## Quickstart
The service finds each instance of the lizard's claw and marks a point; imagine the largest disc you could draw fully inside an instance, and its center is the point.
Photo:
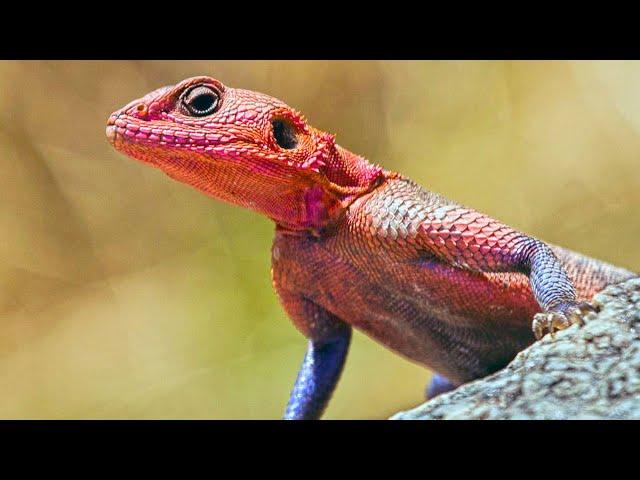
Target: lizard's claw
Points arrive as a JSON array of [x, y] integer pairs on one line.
[[560, 318]]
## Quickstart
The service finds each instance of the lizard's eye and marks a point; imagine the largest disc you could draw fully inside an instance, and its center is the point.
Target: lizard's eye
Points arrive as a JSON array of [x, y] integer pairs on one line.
[[200, 100]]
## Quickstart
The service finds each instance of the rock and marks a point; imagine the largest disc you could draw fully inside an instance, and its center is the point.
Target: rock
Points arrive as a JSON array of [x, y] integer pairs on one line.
[[587, 372]]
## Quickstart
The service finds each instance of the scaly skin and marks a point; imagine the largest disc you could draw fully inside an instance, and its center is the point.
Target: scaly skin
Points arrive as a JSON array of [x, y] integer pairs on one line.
[[359, 246]]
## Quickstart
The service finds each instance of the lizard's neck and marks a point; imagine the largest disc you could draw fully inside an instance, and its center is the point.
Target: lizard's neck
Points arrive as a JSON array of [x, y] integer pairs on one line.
[[346, 169], [345, 177]]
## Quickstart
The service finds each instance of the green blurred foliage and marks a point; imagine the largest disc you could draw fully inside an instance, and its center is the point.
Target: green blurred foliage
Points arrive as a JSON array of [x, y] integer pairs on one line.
[[124, 294]]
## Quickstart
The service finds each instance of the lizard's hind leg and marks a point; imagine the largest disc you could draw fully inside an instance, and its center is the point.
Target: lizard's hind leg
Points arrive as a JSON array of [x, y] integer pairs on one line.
[[438, 385]]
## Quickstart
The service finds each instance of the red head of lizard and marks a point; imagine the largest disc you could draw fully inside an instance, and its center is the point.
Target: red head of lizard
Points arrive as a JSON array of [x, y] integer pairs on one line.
[[245, 148]]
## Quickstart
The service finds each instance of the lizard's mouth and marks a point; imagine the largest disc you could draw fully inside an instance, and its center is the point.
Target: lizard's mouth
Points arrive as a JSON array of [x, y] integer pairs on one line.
[[116, 128], [123, 129], [128, 136], [112, 134], [164, 145], [111, 130]]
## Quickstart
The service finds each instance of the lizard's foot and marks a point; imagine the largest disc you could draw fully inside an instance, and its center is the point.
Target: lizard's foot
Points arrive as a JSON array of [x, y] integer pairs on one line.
[[562, 316], [439, 385]]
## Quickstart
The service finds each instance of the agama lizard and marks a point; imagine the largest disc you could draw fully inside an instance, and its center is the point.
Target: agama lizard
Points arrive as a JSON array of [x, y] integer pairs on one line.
[[357, 246]]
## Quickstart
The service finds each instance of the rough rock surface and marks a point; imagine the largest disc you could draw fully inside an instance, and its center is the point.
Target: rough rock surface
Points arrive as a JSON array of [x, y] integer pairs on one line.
[[587, 372]]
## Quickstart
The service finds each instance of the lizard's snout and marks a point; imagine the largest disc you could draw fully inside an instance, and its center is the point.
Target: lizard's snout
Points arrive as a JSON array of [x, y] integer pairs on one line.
[[111, 130], [111, 134]]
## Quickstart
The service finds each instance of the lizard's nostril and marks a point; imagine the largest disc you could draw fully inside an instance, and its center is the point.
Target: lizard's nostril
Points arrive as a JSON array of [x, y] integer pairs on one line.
[[141, 109]]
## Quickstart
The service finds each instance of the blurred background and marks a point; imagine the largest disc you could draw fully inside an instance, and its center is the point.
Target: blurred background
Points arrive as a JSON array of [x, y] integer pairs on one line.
[[124, 294]]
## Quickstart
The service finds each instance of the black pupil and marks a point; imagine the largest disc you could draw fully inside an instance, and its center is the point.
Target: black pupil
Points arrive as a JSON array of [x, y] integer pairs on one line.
[[202, 101]]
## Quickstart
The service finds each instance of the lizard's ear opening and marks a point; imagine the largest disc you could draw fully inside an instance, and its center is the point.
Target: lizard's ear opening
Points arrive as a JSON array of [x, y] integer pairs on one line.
[[285, 133]]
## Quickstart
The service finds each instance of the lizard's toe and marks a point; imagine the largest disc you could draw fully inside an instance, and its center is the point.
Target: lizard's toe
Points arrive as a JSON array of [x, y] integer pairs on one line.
[[549, 322], [563, 317]]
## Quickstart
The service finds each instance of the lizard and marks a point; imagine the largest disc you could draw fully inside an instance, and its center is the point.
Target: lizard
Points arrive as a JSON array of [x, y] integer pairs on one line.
[[358, 246]]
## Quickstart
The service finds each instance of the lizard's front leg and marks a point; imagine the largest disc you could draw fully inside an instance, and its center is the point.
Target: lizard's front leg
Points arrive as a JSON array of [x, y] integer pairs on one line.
[[472, 240], [329, 340], [317, 378], [551, 287]]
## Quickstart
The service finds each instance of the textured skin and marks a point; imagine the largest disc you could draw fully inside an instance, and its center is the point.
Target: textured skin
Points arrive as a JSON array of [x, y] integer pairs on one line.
[[358, 246]]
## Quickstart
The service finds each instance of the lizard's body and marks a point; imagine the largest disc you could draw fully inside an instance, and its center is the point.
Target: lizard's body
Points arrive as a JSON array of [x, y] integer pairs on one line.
[[358, 246], [371, 272]]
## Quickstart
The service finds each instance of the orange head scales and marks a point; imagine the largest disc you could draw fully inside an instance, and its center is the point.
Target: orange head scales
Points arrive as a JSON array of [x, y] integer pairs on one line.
[[243, 147]]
